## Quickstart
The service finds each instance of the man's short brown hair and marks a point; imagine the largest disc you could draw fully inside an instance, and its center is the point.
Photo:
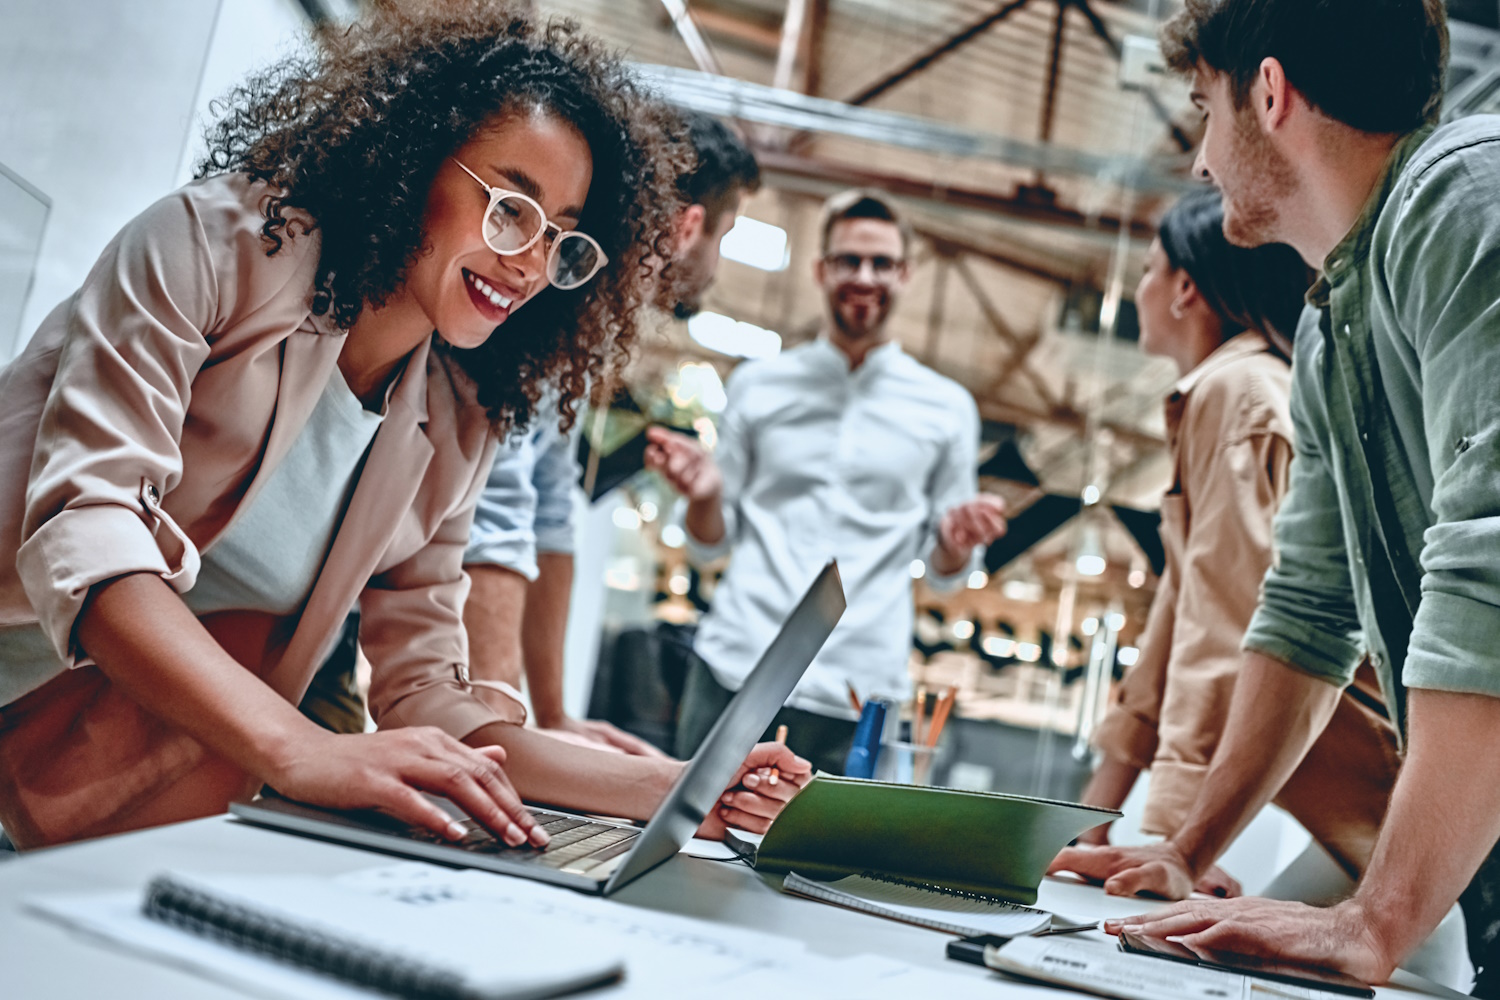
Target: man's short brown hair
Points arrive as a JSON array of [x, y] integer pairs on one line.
[[1375, 65], [861, 203]]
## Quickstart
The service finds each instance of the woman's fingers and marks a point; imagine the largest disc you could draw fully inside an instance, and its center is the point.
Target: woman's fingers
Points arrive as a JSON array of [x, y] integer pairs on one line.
[[731, 816], [749, 802], [474, 781], [410, 806]]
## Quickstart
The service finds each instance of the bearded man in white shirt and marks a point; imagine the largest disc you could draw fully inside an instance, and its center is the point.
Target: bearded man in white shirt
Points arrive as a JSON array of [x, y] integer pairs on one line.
[[846, 448]]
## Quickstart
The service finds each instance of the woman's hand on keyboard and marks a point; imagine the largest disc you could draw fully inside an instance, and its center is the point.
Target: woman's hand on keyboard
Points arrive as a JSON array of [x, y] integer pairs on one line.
[[768, 779], [389, 770]]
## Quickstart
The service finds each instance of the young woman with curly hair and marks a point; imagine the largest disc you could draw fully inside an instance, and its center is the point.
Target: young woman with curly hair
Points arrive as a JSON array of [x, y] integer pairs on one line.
[[278, 393]]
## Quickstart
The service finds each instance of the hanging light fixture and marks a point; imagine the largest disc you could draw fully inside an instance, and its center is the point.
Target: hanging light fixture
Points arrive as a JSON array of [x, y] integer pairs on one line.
[[1090, 560]]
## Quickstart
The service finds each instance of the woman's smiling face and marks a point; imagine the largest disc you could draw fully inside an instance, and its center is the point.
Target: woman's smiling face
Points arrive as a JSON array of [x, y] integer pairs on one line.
[[465, 288]]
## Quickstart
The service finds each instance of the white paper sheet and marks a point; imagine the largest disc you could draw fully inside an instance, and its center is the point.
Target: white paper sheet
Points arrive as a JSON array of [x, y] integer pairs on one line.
[[1104, 969]]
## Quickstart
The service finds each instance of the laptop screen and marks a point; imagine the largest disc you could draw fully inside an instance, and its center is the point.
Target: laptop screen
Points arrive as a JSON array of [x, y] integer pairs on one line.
[[767, 688]]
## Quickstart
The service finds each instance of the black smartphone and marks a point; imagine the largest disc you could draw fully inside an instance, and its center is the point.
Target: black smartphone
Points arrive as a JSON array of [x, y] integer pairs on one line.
[[971, 949], [1247, 965]]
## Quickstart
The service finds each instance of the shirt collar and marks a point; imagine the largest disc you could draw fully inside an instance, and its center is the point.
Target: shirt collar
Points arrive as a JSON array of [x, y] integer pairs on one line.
[[878, 358], [1355, 246], [1241, 345]]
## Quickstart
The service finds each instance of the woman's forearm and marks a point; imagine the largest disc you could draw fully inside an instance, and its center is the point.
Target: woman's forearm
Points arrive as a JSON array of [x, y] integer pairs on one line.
[[151, 646], [1108, 788], [548, 770]]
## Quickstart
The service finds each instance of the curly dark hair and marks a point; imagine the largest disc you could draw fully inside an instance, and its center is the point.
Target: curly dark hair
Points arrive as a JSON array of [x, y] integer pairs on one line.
[[353, 133]]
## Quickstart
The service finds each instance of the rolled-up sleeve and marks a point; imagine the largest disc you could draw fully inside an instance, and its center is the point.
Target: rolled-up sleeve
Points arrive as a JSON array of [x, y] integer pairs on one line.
[[504, 529], [108, 446], [955, 480], [1452, 315], [1128, 731], [1307, 616], [411, 629]]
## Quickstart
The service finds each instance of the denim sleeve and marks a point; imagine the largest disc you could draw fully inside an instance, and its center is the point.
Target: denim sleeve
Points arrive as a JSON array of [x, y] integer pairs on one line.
[[554, 478], [504, 529]]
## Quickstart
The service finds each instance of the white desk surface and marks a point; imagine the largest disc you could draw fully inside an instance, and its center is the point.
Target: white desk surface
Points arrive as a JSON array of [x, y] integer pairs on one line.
[[42, 961]]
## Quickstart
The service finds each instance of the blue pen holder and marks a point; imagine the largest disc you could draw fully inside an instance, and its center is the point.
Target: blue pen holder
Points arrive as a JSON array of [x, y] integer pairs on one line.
[[866, 749]]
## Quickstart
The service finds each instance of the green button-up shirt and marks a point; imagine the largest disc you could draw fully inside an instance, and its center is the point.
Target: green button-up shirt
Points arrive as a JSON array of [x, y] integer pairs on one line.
[[1389, 539]]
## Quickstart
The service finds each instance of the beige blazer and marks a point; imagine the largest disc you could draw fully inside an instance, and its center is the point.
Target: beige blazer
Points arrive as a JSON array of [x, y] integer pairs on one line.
[[148, 409], [1230, 434]]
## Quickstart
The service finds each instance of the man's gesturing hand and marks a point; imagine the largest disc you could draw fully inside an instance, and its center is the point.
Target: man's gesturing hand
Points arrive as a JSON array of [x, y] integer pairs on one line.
[[973, 522], [684, 463]]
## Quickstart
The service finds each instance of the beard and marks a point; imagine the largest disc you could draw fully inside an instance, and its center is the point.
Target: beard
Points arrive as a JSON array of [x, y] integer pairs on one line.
[[857, 329], [1257, 188], [690, 277]]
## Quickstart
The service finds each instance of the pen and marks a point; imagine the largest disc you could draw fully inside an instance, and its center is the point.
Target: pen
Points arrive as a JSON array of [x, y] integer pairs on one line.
[[940, 715], [775, 775], [854, 698], [918, 709]]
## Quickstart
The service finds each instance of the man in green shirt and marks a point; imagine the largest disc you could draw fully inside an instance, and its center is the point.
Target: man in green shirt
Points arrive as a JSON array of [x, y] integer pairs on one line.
[[1320, 134]]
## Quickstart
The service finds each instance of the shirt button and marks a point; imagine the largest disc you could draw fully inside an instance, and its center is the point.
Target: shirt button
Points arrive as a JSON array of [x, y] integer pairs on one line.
[[1376, 660], [153, 495], [1347, 331]]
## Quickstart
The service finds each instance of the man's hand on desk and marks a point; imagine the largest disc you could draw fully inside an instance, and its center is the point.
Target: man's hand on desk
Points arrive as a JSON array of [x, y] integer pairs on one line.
[[597, 734], [768, 779], [684, 463], [1158, 870], [1338, 937]]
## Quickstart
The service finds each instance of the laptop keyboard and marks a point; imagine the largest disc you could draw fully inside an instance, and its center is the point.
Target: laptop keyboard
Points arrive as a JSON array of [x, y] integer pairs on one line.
[[577, 844]]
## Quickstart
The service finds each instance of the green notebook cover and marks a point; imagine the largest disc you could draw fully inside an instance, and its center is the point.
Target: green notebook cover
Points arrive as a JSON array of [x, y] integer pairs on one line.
[[979, 842]]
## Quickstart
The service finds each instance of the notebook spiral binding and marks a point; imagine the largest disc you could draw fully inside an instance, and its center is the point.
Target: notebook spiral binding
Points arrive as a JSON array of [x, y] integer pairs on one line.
[[187, 908], [931, 887]]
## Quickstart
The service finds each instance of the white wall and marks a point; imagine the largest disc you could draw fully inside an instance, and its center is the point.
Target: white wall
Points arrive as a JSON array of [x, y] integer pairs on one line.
[[98, 108]]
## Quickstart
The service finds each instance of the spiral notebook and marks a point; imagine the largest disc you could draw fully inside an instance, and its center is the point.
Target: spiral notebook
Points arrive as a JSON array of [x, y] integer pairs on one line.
[[952, 911], [406, 948]]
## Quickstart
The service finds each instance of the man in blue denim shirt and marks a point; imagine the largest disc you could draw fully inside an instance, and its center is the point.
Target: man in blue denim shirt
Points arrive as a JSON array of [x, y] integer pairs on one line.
[[1320, 134], [520, 555]]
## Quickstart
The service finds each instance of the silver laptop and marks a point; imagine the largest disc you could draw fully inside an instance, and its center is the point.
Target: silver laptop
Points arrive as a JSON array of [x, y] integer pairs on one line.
[[585, 853]]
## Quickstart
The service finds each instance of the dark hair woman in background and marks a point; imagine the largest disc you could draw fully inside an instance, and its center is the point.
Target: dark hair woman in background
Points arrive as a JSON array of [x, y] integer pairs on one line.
[[1226, 317], [278, 393]]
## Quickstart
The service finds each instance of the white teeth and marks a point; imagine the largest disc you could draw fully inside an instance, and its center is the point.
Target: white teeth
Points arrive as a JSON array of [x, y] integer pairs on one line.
[[484, 289]]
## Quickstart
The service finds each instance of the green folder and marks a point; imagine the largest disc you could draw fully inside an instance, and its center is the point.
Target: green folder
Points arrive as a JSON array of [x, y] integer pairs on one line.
[[975, 842]]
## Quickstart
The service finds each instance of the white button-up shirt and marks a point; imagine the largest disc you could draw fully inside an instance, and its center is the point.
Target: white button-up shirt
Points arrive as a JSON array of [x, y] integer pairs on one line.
[[820, 462]]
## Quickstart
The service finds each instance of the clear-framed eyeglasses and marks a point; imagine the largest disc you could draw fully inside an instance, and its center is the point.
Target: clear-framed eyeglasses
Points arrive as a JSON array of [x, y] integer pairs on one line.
[[843, 266], [514, 222]]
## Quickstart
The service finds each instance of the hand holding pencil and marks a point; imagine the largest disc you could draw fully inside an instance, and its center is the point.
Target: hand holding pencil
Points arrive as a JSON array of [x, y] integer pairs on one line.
[[752, 801]]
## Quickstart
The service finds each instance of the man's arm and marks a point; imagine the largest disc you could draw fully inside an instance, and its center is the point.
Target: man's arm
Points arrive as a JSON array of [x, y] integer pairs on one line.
[[501, 561], [1277, 714], [964, 520], [493, 616], [1447, 794], [543, 633]]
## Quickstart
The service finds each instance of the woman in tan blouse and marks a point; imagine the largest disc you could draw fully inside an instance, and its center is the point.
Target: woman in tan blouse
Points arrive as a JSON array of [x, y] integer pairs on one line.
[[1225, 316], [278, 393]]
